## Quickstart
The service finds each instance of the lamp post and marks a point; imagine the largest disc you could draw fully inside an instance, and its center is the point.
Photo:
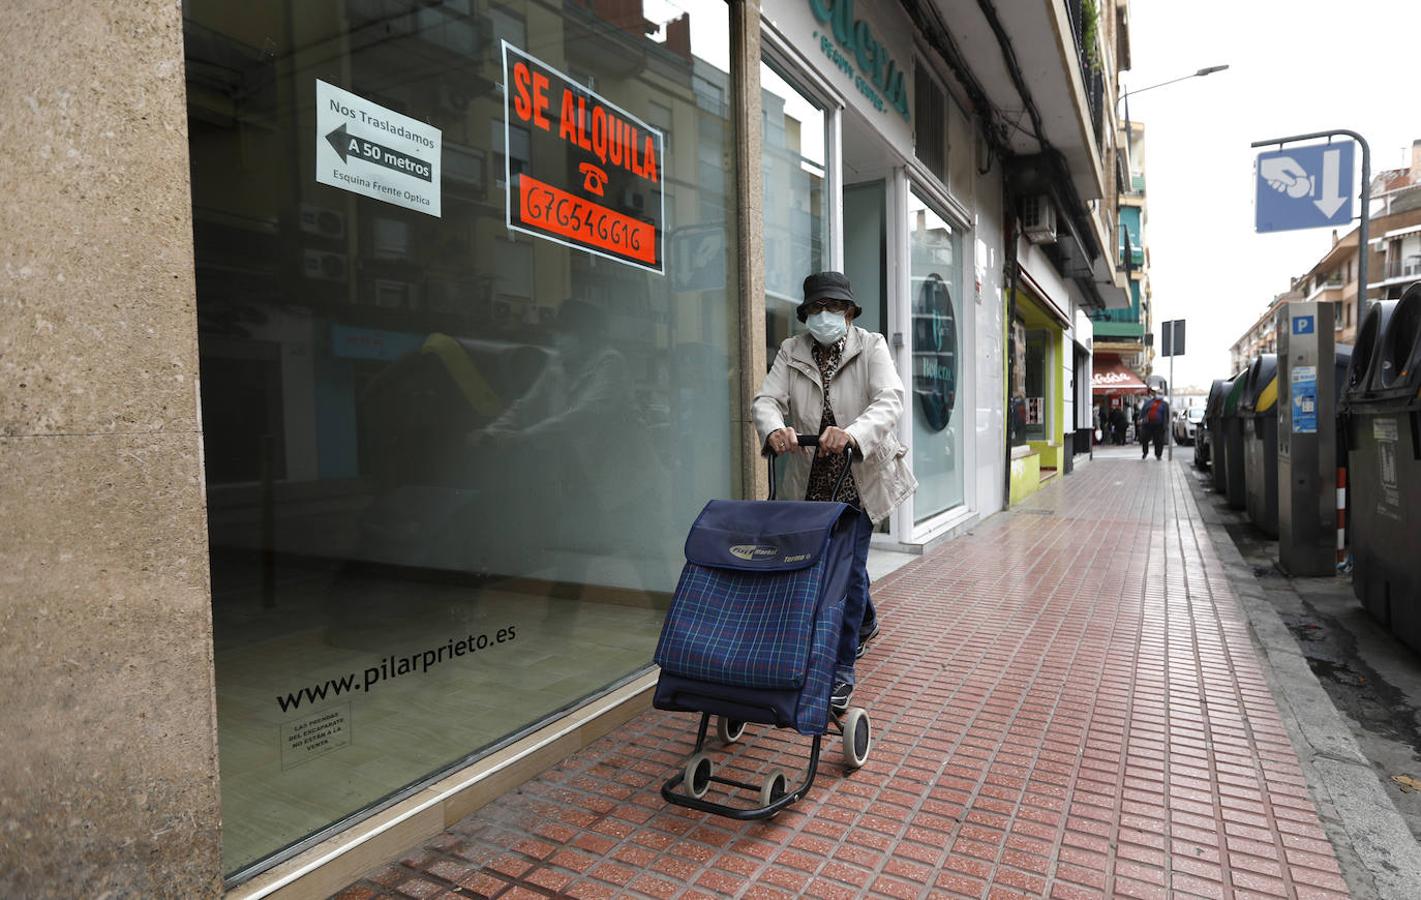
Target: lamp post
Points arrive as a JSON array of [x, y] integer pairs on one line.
[[1125, 97], [1200, 73]]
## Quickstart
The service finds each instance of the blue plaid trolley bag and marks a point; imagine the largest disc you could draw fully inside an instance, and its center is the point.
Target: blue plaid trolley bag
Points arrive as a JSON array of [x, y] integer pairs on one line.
[[752, 636]]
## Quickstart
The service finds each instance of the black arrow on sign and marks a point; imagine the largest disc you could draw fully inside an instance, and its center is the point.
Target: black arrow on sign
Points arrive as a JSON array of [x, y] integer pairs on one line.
[[380, 155]]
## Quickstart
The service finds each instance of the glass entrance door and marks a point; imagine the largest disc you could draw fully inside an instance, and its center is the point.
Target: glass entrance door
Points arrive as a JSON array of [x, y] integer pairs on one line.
[[865, 242], [934, 379]]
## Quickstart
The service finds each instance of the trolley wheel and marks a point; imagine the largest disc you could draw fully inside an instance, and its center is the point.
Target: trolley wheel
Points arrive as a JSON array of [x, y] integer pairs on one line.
[[775, 786], [858, 737], [728, 730], [699, 770]]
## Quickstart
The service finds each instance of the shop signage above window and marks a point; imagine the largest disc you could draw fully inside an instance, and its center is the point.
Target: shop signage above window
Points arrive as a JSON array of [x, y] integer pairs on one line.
[[592, 179], [852, 44], [366, 149]]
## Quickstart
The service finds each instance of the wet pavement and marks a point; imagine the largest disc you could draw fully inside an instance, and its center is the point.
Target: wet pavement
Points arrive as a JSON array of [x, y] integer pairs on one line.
[[1372, 679], [1067, 702]]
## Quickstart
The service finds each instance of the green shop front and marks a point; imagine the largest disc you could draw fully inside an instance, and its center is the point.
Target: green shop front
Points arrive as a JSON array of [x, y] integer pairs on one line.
[[1041, 367]]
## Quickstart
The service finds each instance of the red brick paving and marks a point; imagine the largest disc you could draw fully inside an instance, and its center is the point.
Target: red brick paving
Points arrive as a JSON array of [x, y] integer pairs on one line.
[[1066, 703]]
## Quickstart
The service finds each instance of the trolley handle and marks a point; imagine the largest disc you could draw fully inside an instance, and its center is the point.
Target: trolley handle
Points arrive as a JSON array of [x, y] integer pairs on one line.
[[811, 440]]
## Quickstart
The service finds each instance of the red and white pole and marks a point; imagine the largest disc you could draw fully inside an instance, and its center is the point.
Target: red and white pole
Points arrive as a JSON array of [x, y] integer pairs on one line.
[[1341, 514]]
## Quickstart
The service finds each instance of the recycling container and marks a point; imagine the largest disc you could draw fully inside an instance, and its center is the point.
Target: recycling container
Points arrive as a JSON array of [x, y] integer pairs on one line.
[[1383, 419], [1205, 454], [1258, 408], [1232, 444], [1361, 525]]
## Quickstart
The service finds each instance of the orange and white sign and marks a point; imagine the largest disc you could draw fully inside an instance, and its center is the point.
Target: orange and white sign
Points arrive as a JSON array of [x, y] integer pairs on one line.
[[592, 179]]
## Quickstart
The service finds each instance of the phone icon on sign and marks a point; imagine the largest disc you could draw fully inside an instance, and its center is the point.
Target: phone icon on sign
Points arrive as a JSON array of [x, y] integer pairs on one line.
[[593, 178]]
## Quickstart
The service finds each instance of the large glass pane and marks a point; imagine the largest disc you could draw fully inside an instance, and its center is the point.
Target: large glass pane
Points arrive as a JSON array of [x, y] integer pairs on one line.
[[938, 419], [449, 463], [796, 221]]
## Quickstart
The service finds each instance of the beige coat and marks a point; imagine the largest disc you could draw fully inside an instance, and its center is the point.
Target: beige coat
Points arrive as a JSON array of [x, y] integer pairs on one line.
[[867, 397]]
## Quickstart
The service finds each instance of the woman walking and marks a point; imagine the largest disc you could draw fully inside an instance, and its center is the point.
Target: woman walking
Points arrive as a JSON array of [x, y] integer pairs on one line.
[[838, 381]]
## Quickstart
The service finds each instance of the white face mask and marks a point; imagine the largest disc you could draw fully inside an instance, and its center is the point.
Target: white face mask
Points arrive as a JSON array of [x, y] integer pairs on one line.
[[827, 327]]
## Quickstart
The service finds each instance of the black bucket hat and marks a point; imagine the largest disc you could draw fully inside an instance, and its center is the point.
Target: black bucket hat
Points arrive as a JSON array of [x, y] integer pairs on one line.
[[830, 286]]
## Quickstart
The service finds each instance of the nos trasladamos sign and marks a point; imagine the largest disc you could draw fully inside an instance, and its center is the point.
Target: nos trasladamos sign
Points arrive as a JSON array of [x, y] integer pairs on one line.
[[592, 179]]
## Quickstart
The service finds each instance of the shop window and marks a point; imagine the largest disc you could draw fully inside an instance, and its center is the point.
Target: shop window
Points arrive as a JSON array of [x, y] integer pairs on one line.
[[796, 223], [1036, 379], [939, 422], [448, 463], [1030, 383], [1017, 406]]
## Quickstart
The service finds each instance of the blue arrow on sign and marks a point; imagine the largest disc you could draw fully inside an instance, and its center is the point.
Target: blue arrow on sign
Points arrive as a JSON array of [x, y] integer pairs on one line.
[[1304, 187]]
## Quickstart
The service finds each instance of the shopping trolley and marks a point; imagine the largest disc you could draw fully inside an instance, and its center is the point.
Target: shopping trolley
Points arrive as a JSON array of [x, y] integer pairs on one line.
[[752, 636]]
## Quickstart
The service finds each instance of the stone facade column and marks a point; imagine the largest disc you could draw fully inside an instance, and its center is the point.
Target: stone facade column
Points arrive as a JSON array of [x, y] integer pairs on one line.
[[750, 242], [108, 750]]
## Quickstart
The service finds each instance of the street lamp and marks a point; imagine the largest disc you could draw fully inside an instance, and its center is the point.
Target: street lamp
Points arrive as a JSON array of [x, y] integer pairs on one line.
[[1207, 70]]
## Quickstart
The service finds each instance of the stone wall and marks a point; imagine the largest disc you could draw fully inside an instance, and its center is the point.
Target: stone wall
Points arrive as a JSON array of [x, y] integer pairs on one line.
[[108, 757]]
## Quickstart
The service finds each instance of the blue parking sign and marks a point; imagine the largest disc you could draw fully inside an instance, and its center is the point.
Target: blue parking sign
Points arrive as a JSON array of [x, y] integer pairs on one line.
[[1304, 187], [1304, 325]]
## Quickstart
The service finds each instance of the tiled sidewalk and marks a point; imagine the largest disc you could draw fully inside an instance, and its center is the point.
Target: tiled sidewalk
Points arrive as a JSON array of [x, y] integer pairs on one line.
[[1066, 703]]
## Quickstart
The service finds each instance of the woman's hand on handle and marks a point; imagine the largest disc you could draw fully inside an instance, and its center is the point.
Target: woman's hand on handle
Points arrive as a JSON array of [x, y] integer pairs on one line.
[[834, 440], [782, 440]]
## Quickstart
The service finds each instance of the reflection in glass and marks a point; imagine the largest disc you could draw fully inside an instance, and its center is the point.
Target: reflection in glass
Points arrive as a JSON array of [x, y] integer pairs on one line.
[[865, 243], [1017, 413], [936, 278], [448, 466], [1034, 379], [796, 226]]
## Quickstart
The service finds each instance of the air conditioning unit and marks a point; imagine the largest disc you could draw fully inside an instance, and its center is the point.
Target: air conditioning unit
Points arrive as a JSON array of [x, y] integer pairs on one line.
[[321, 221], [323, 265], [1038, 220]]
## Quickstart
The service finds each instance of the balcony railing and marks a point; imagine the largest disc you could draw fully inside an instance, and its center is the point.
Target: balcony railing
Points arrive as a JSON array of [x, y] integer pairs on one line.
[[1410, 267], [1077, 16], [1125, 316], [1095, 96], [1091, 76]]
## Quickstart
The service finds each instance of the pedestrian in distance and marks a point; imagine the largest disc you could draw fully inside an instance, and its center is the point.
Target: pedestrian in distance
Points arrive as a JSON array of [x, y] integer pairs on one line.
[[1117, 427], [1152, 423], [838, 381]]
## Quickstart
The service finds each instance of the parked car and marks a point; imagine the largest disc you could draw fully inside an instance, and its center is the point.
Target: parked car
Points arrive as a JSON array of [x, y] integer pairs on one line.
[[1186, 424]]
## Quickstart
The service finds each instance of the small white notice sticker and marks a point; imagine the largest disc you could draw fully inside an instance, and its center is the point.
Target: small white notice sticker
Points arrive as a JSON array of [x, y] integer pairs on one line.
[[366, 149], [317, 734]]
